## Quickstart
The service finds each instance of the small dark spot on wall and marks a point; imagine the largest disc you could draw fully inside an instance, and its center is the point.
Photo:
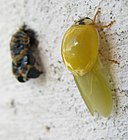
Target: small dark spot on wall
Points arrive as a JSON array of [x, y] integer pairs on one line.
[[40, 91], [14, 5], [12, 103], [94, 129], [13, 106], [25, 3], [111, 13], [46, 50], [59, 79], [114, 5], [67, 89], [48, 128], [59, 62]]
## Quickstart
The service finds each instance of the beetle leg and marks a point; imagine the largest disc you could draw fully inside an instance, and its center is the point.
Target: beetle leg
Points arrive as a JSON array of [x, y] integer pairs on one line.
[[114, 61], [105, 26], [98, 12], [111, 60]]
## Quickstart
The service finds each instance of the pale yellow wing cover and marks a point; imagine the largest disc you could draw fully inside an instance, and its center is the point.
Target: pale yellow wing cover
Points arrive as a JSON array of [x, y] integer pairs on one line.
[[95, 91]]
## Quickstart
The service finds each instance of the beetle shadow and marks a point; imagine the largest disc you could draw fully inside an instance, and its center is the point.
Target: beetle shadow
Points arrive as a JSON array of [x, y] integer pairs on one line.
[[105, 55], [39, 63]]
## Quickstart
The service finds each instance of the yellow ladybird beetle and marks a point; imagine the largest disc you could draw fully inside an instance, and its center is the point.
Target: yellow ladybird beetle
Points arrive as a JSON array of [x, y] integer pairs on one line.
[[79, 52]]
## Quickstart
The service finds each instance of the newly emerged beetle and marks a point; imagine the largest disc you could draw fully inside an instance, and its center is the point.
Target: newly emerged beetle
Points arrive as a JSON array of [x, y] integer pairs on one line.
[[79, 51], [23, 61]]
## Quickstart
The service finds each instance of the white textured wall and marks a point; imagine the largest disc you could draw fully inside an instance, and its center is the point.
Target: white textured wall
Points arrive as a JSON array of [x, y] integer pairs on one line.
[[50, 107]]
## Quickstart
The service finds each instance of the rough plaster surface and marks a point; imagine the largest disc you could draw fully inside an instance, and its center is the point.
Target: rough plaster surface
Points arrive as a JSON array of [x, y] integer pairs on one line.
[[50, 107]]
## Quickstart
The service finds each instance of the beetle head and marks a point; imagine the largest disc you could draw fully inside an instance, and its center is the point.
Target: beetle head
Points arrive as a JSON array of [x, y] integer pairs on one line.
[[84, 21]]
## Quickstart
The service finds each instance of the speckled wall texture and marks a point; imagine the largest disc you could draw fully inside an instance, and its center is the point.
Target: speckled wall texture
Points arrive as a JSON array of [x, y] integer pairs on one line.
[[50, 107]]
